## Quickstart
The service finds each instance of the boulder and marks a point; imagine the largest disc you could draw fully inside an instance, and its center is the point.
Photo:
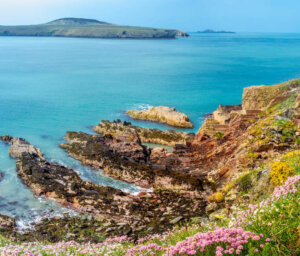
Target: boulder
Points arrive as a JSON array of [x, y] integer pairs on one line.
[[7, 223], [162, 114], [20, 146]]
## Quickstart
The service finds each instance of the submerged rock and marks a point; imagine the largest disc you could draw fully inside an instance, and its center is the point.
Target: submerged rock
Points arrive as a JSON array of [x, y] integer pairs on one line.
[[162, 114], [155, 136]]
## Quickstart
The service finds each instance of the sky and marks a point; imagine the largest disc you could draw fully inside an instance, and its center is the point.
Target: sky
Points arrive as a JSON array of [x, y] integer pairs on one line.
[[188, 15]]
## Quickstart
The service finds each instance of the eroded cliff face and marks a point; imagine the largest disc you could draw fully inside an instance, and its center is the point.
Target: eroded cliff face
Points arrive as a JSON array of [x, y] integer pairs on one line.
[[265, 127]]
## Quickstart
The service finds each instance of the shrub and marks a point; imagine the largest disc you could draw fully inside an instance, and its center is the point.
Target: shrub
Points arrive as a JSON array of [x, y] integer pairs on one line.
[[280, 172], [218, 197], [287, 166], [219, 135], [244, 182]]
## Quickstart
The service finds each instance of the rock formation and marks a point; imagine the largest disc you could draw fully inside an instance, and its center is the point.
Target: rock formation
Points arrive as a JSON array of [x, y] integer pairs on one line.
[[123, 157], [7, 223], [262, 96], [132, 214], [20, 146], [224, 114], [155, 136], [162, 114]]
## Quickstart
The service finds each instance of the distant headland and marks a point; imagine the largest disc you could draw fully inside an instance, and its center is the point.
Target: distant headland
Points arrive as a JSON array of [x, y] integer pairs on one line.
[[89, 28], [216, 31]]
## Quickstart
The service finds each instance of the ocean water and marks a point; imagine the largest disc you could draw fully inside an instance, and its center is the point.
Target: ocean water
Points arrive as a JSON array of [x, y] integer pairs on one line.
[[52, 85]]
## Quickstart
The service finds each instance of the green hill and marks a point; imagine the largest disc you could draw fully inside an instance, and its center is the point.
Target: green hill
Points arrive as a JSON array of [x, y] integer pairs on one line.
[[89, 28]]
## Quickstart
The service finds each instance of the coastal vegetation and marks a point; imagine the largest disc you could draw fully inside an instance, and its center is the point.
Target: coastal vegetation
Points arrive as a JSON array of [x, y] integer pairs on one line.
[[76, 27]]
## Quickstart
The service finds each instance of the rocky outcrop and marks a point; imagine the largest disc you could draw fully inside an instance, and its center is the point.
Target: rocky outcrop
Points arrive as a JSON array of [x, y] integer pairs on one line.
[[66, 187], [250, 136], [127, 214], [20, 146], [7, 223], [162, 114], [6, 139], [146, 135], [262, 96], [123, 158], [225, 113]]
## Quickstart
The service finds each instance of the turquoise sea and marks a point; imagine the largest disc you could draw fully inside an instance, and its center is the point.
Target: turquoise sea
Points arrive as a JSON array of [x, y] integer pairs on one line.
[[52, 85]]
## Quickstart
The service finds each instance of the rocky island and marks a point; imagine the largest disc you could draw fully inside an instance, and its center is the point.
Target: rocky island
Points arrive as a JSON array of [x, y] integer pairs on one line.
[[89, 28], [162, 114], [243, 157], [211, 31]]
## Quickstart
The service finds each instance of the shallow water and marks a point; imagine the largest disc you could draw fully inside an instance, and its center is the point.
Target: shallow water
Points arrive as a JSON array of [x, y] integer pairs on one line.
[[51, 85]]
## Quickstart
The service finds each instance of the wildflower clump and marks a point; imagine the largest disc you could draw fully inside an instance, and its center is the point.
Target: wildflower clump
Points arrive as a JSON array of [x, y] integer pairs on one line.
[[217, 197], [285, 167], [276, 217]]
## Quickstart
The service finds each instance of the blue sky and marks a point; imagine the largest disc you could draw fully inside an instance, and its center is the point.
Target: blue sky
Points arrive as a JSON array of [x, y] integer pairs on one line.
[[188, 15]]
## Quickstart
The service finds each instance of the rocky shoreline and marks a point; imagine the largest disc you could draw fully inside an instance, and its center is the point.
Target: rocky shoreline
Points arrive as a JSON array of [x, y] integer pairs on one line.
[[119, 212], [187, 183]]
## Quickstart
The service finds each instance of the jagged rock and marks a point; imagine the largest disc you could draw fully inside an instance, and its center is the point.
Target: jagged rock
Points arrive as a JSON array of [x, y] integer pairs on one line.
[[104, 203], [6, 139], [162, 114], [1, 176], [20, 146], [7, 223], [123, 158], [156, 136], [176, 220], [225, 113], [65, 186]]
